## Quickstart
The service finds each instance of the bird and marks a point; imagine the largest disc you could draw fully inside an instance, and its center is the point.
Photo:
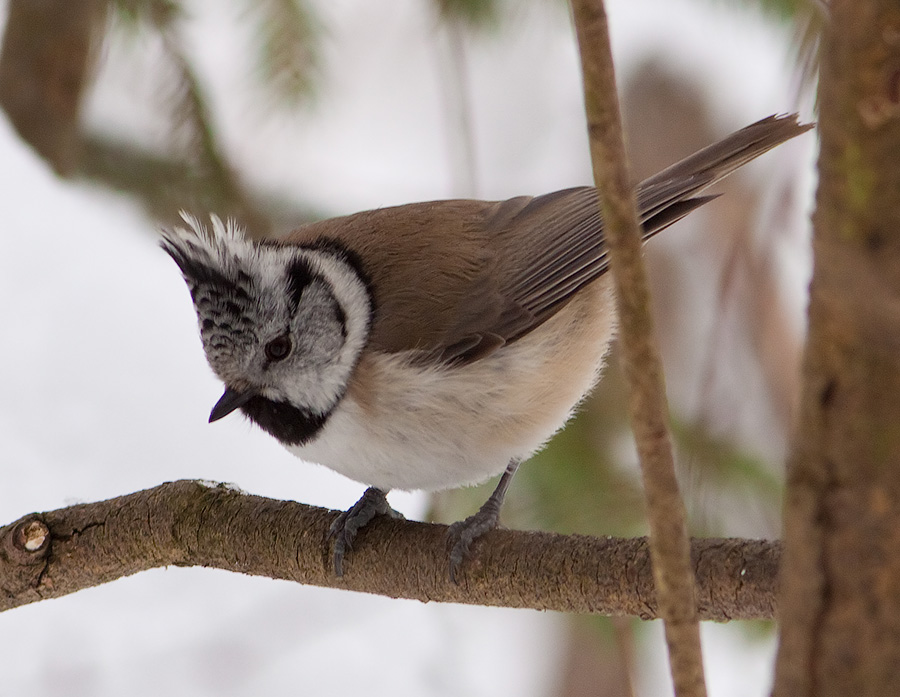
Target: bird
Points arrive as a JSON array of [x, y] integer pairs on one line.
[[430, 345]]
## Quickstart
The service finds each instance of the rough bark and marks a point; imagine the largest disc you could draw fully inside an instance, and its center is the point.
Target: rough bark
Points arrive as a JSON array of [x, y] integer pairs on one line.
[[187, 523], [669, 543], [840, 607]]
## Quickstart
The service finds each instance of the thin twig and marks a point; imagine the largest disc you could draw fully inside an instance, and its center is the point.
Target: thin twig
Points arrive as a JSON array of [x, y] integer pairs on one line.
[[669, 543]]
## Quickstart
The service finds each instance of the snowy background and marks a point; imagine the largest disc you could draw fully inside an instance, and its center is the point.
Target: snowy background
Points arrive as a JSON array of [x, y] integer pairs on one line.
[[106, 391]]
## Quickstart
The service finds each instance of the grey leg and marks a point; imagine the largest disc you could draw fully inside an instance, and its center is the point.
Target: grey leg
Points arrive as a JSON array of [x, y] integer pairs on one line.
[[345, 527], [463, 533]]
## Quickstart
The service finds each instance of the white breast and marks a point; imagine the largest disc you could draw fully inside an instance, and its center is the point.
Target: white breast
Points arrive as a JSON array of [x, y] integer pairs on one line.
[[401, 426]]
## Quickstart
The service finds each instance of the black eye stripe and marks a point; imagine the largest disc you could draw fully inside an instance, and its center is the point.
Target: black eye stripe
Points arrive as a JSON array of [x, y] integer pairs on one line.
[[341, 318], [299, 276], [338, 250]]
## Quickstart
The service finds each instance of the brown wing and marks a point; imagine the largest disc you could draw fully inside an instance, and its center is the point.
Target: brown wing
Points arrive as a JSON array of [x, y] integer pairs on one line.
[[457, 279]]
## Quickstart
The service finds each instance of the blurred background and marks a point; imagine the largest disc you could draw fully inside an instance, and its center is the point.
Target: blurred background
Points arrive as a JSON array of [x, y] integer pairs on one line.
[[116, 115]]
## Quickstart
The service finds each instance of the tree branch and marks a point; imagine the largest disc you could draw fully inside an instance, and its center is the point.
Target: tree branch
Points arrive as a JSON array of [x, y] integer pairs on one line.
[[189, 523], [45, 64], [669, 543], [165, 184], [840, 633]]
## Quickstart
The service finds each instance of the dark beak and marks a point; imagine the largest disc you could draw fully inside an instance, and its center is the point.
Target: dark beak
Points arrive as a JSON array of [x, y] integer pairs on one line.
[[231, 400]]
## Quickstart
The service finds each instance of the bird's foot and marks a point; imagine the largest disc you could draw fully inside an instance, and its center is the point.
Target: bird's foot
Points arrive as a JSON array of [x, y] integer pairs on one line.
[[463, 533], [345, 527]]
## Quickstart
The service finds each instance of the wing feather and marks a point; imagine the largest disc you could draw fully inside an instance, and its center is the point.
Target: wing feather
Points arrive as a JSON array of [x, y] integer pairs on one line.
[[455, 280]]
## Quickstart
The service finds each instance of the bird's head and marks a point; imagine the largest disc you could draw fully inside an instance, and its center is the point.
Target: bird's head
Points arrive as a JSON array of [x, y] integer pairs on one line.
[[282, 325]]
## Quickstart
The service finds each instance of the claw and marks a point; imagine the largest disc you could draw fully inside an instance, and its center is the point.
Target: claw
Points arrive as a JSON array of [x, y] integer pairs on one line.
[[463, 533], [346, 526]]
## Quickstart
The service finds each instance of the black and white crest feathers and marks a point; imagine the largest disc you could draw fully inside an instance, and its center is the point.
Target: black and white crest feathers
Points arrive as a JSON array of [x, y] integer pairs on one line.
[[248, 294], [216, 270]]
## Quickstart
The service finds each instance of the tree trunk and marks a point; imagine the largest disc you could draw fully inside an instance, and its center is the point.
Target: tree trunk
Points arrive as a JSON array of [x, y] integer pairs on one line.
[[840, 603]]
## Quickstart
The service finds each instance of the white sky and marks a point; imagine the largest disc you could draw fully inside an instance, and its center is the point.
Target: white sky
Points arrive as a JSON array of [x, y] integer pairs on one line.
[[107, 391]]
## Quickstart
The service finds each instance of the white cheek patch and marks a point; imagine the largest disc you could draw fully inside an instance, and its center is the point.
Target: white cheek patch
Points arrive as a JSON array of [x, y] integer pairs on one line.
[[322, 388]]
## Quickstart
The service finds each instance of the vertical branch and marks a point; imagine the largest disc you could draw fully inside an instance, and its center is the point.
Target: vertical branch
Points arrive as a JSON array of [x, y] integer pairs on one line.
[[840, 581], [45, 66], [669, 544]]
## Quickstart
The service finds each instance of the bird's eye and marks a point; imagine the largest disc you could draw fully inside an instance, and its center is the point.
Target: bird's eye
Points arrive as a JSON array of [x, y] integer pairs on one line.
[[278, 348]]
